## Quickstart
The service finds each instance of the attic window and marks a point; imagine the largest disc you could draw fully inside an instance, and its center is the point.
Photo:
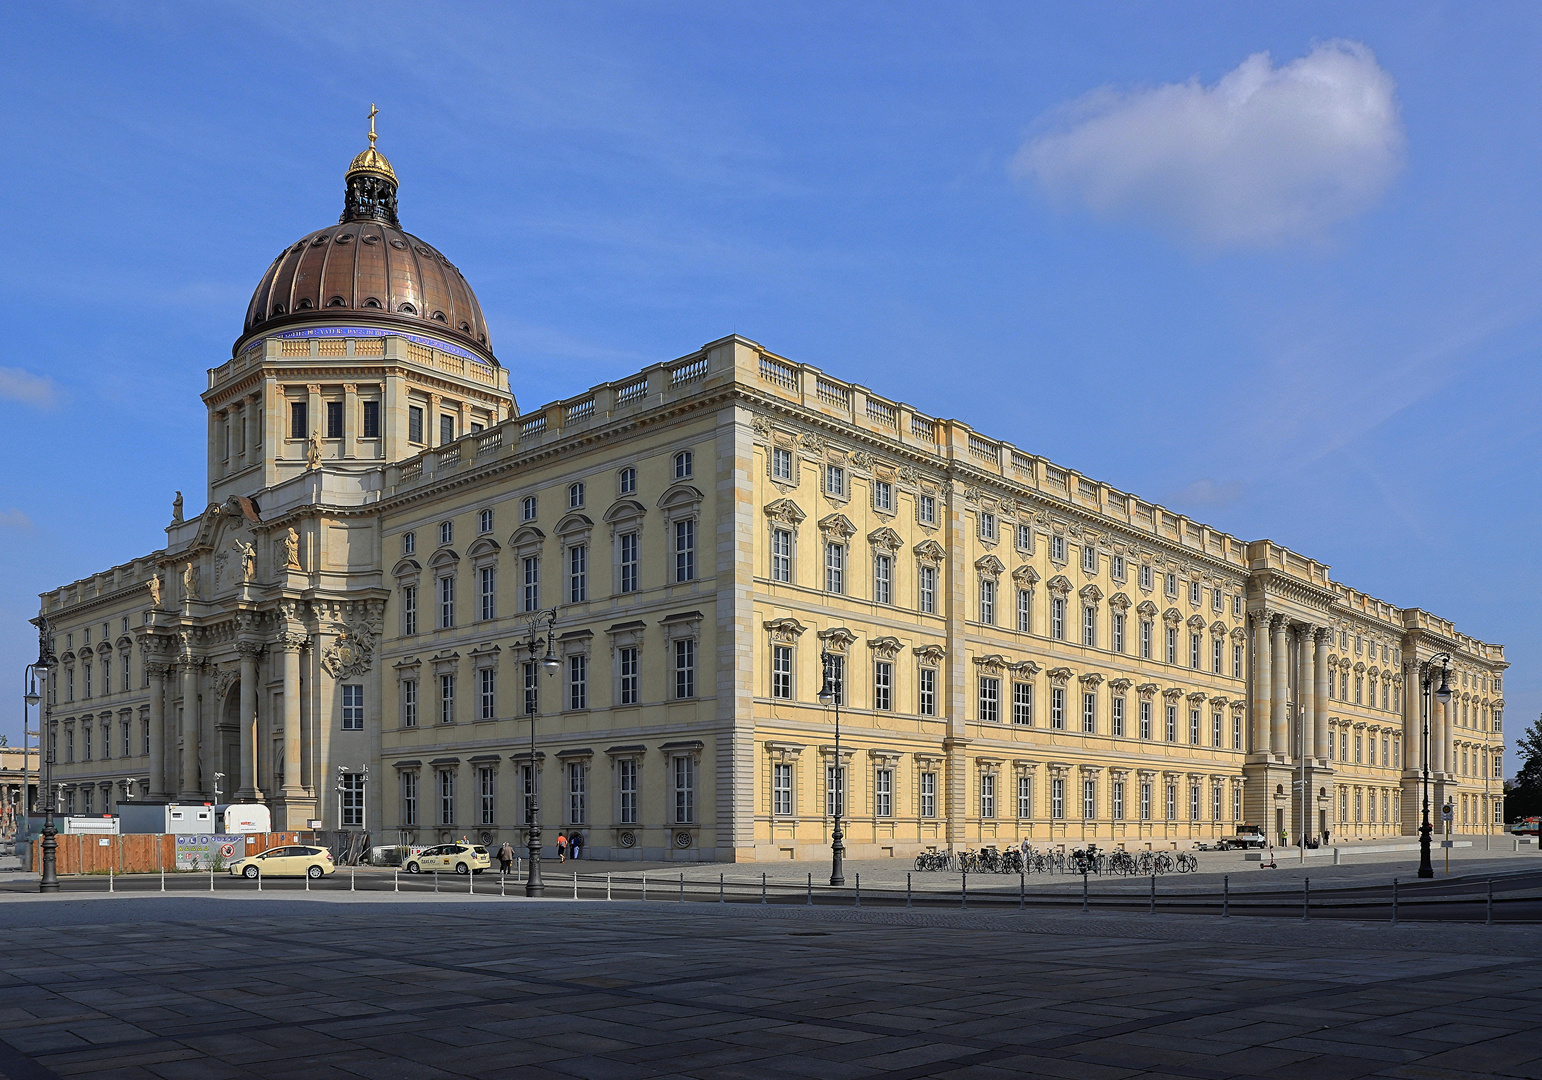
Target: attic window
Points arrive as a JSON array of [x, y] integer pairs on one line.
[[337, 301], [439, 315], [465, 328], [407, 309], [278, 309], [372, 303], [303, 305]]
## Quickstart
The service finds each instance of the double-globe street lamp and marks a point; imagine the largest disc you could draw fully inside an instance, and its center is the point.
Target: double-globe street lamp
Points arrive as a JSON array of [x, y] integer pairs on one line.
[[36, 695], [541, 647], [1443, 695], [831, 692]]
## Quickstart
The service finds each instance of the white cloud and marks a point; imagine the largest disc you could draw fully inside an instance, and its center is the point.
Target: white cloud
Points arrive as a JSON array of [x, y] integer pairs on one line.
[[1208, 492], [15, 519], [1265, 155], [27, 388]]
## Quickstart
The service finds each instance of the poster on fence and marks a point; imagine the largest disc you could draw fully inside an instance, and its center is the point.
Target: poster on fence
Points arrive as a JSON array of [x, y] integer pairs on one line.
[[201, 851]]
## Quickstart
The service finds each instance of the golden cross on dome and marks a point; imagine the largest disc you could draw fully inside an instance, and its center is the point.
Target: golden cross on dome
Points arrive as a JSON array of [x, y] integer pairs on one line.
[[373, 112]]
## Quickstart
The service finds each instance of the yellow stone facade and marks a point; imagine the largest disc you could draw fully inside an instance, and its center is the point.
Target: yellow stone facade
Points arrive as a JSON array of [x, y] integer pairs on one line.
[[1025, 653]]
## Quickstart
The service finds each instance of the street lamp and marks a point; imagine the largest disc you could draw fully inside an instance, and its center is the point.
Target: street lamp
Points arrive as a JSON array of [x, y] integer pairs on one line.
[[31, 697], [541, 646], [1443, 695], [830, 693]]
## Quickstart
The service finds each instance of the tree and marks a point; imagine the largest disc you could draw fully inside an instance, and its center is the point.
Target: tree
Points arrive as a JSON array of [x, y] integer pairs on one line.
[[1523, 794]]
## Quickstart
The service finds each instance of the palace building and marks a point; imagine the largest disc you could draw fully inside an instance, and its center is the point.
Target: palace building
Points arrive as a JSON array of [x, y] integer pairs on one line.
[[1021, 651]]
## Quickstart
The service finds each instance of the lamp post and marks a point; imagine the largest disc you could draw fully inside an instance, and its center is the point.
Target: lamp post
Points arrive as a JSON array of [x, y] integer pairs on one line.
[[540, 645], [32, 697], [831, 692], [1443, 695]]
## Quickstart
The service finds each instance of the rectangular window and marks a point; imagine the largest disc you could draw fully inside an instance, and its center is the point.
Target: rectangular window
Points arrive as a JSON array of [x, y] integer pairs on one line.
[[334, 419], [883, 793], [1193, 727], [987, 795], [883, 579], [578, 682], [838, 677], [1057, 618], [1194, 593], [1022, 704], [987, 526], [485, 522], [928, 795], [446, 429], [126, 729], [683, 463], [1145, 577], [781, 671], [1172, 802], [1236, 664], [1145, 639], [835, 480], [988, 601], [299, 422], [1172, 723], [446, 603], [446, 797], [626, 663], [1172, 644], [1217, 653], [488, 579], [1117, 570], [926, 577], [685, 668], [1089, 800], [578, 573], [628, 558], [1194, 802], [409, 703], [781, 555], [446, 532], [1057, 548], [575, 496], [85, 740], [990, 700], [1118, 638], [1194, 651], [1024, 538], [926, 509], [527, 508], [1057, 708], [529, 782], [1057, 798], [1089, 558], [532, 589], [683, 770], [1145, 800], [1089, 713], [1118, 716], [1217, 602], [781, 463], [883, 685], [781, 790], [1216, 730], [414, 424], [835, 791], [532, 689], [1024, 611], [353, 707], [1025, 796], [409, 543], [487, 693], [685, 550], [578, 793], [1090, 626], [409, 798], [883, 495], [447, 699], [1236, 732], [926, 699], [835, 568], [487, 788], [1236, 803], [1117, 792], [371, 420], [626, 789], [626, 481]]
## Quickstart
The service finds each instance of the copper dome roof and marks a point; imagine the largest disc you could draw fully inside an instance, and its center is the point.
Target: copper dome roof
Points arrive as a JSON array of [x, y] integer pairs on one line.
[[365, 270]]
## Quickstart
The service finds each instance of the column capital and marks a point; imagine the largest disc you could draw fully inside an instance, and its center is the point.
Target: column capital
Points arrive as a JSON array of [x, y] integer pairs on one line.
[[249, 649], [291, 642]]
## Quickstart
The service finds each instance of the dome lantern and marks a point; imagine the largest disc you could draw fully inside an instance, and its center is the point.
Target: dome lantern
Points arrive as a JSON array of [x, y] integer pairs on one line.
[[370, 184]]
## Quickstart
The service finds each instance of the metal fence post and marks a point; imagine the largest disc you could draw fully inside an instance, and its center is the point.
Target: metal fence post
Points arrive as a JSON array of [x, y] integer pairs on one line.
[[436, 881], [1151, 909], [111, 889], [810, 891], [1488, 915], [607, 886], [1394, 901], [1226, 897], [858, 902], [351, 873], [1306, 898], [963, 891], [396, 881], [471, 882], [762, 886], [211, 875], [682, 887], [720, 888], [1084, 891], [163, 878], [575, 884], [645, 885], [907, 888], [503, 880]]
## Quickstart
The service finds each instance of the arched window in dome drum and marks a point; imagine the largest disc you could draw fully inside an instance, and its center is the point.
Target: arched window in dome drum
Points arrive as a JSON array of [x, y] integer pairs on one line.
[[438, 316], [372, 303], [407, 309], [337, 301]]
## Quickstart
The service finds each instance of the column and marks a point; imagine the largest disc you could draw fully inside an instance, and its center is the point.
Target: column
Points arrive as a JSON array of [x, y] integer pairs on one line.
[[393, 420], [190, 732], [1262, 666], [291, 644], [431, 436], [1278, 724], [158, 786], [1306, 694], [351, 422], [246, 784], [1437, 750], [1320, 691]]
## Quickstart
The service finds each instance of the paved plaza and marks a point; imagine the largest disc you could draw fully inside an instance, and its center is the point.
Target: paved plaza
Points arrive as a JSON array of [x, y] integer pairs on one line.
[[338, 984]]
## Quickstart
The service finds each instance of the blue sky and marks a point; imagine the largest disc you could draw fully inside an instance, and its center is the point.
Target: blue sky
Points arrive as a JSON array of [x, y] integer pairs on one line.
[[1295, 296]]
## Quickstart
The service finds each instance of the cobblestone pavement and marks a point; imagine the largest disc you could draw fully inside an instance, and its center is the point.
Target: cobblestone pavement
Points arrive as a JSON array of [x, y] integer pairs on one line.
[[351, 986]]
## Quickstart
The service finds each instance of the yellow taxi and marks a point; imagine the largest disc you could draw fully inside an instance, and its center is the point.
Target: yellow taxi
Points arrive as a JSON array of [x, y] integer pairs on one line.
[[457, 858], [296, 860]]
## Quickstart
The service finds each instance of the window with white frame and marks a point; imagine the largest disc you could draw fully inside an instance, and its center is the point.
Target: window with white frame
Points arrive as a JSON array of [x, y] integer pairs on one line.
[[487, 794], [781, 789], [487, 693], [988, 601], [685, 668], [1024, 611], [527, 508], [883, 685], [1089, 712], [1172, 644], [1024, 538], [835, 480], [1022, 704], [578, 793], [626, 675], [353, 707], [987, 525], [835, 568], [1236, 664], [990, 699], [1057, 798], [1089, 800], [578, 573], [781, 555], [575, 496], [446, 796], [447, 698], [485, 522], [1057, 618], [1117, 706], [928, 794], [883, 578], [1145, 719], [578, 681], [1118, 632], [532, 672], [926, 581], [1089, 558], [409, 543], [1057, 708], [1236, 732], [1194, 802], [446, 533], [529, 786], [1194, 651], [883, 793], [446, 603], [883, 495], [487, 577], [682, 770], [926, 691], [835, 791], [626, 481], [626, 555], [1025, 796], [532, 583], [1116, 793], [409, 703], [781, 671], [1116, 567], [1089, 626], [1194, 593], [926, 509], [409, 786], [409, 610], [1172, 723], [1194, 727], [1145, 639], [685, 550], [1145, 800], [626, 790], [781, 463], [1057, 548], [1172, 802], [684, 464]]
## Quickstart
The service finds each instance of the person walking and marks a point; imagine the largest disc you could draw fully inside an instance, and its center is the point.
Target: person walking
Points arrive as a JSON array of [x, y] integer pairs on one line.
[[576, 844], [562, 847], [505, 857]]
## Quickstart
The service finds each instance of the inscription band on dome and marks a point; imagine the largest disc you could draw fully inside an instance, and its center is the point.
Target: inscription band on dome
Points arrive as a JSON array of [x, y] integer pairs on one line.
[[375, 331]]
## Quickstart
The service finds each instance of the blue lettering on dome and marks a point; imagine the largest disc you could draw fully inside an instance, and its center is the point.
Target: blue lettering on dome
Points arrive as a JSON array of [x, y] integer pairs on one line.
[[372, 331]]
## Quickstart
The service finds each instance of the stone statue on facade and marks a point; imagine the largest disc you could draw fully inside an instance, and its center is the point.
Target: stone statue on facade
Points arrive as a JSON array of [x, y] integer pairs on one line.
[[248, 556], [176, 508], [289, 549], [190, 581], [313, 451], [155, 590]]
